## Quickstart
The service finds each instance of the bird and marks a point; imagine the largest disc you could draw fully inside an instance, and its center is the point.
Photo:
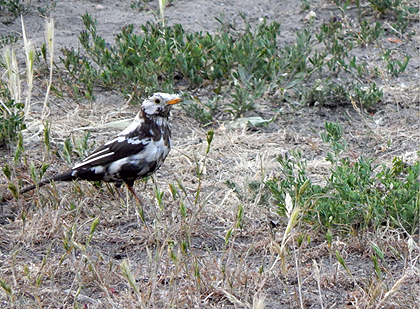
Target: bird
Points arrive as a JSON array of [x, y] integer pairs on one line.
[[135, 153]]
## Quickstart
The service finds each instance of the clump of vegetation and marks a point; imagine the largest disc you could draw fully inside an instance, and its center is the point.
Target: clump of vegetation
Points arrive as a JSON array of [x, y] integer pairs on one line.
[[11, 105], [11, 121], [15, 7], [358, 195], [246, 62]]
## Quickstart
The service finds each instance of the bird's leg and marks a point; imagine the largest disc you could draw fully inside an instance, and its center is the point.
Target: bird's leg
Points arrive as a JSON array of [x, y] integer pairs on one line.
[[135, 195], [117, 189], [140, 209]]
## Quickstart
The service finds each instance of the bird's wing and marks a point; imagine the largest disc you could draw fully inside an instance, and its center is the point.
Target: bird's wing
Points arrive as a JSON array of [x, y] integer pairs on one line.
[[119, 148]]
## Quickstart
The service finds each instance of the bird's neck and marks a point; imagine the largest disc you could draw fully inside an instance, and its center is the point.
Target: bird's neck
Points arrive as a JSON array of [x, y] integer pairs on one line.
[[161, 121]]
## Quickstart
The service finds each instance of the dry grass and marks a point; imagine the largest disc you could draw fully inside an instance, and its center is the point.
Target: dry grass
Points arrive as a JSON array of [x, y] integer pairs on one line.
[[210, 245], [51, 258]]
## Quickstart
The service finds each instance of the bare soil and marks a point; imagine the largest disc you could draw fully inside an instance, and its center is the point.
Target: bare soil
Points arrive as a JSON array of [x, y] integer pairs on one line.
[[248, 269]]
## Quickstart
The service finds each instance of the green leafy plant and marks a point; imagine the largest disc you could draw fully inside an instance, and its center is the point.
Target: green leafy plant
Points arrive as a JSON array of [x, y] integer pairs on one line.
[[237, 63], [401, 11], [45, 11], [140, 5], [246, 90], [11, 106], [384, 5], [11, 121], [7, 39], [203, 112], [395, 66], [161, 56], [16, 7], [358, 194]]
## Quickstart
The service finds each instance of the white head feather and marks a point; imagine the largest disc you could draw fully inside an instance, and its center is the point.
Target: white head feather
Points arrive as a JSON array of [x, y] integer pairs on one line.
[[159, 103]]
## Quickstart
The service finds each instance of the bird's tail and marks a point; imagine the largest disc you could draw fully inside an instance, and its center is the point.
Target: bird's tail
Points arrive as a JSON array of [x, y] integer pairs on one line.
[[66, 176]]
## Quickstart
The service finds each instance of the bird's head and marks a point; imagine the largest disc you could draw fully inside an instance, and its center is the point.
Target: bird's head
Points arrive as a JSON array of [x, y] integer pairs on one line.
[[159, 104]]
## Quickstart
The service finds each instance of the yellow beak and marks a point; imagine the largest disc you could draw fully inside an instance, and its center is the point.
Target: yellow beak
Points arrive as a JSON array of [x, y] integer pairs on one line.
[[174, 101]]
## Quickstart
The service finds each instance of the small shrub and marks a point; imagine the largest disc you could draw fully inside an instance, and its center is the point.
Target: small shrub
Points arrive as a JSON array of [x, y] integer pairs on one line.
[[358, 194], [11, 121], [16, 7]]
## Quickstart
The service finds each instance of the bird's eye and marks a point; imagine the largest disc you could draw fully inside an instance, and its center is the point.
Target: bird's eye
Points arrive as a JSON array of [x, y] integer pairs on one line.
[[157, 101]]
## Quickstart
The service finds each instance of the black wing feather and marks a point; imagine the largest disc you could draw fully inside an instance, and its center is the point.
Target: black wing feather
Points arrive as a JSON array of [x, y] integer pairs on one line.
[[114, 151], [125, 145]]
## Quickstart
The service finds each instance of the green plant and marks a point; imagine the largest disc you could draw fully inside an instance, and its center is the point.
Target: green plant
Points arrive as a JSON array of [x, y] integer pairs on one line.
[[11, 107], [161, 56], [7, 39], [11, 121], [16, 7], [366, 96], [395, 66], [369, 31], [384, 5], [203, 112], [401, 12], [239, 64], [45, 11], [140, 5], [358, 194], [72, 147], [246, 90]]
